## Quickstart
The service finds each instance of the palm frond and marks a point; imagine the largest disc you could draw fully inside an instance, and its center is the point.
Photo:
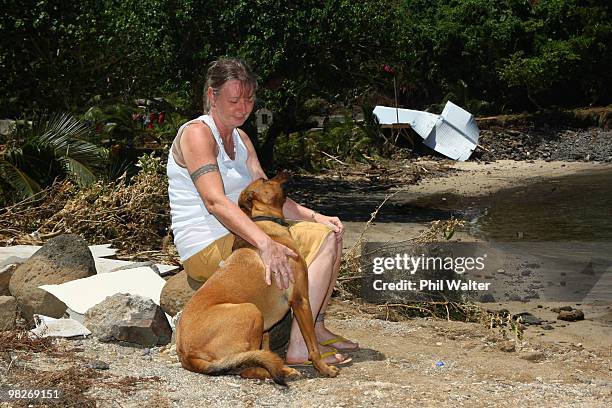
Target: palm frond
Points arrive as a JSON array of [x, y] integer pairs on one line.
[[65, 135], [80, 173], [23, 184], [50, 147]]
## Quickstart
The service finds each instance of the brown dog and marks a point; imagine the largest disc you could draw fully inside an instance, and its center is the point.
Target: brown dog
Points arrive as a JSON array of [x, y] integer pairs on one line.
[[221, 329]]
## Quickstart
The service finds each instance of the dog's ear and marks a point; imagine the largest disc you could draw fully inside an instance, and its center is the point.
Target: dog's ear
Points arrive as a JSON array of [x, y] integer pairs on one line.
[[245, 201], [283, 177]]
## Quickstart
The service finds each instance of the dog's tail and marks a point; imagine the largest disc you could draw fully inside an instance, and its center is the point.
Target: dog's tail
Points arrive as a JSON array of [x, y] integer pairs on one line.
[[241, 361]]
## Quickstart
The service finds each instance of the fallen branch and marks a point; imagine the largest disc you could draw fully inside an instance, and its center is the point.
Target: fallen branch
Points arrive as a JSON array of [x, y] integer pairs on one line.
[[334, 158]]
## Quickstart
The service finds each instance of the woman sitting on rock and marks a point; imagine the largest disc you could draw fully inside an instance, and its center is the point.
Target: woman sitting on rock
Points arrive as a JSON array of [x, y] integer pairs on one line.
[[211, 161]]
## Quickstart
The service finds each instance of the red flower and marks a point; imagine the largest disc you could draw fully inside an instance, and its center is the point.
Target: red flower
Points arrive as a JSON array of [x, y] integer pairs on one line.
[[387, 68], [152, 119]]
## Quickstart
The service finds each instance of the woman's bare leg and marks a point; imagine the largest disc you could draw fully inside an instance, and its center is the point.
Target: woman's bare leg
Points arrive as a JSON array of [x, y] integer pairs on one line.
[[322, 275], [322, 332]]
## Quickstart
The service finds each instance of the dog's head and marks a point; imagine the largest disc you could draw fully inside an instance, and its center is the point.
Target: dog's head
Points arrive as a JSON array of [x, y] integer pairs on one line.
[[265, 194]]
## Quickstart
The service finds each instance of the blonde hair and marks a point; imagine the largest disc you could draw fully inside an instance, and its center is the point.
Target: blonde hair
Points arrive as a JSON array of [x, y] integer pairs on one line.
[[226, 69]]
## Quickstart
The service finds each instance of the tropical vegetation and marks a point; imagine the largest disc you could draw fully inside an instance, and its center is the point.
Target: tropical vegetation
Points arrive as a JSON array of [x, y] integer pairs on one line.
[[107, 63]]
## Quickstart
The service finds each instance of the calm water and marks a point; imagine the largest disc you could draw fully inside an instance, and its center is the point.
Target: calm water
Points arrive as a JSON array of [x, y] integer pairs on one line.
[[563, 225], [571, 208]]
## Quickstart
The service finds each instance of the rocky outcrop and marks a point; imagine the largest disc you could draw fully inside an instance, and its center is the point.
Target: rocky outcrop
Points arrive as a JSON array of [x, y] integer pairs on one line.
[[129, 318], [60, 260]]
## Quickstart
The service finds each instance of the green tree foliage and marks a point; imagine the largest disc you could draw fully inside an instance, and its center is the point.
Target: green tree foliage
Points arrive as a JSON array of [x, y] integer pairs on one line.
[[568, 60], [57, 55], [487, 55], [493, 55]]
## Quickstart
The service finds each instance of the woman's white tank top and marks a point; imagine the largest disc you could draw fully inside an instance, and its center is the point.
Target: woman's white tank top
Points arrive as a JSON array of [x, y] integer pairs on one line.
[[193, 226]]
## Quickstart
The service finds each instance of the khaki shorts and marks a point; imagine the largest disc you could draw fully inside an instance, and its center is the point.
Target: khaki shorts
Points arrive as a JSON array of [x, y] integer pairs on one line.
[[308, 235]]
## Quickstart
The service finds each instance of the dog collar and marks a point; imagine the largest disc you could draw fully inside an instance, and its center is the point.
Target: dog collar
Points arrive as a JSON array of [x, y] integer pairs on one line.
[[277, 220]]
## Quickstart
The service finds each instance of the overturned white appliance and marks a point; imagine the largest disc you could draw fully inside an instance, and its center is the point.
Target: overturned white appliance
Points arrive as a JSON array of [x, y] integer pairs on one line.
[[454, 133]]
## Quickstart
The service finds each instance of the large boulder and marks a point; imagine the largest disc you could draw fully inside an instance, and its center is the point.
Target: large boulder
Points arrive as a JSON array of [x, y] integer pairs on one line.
[[8, 313], [177, 292], [129, 318], [60, 260]]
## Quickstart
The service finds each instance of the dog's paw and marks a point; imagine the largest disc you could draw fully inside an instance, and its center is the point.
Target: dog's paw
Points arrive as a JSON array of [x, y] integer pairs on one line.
[[331, 371], [291, 372]]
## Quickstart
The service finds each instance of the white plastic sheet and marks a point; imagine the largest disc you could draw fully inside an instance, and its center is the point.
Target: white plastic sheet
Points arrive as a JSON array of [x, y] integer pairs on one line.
[[82, 294], [454, 133]]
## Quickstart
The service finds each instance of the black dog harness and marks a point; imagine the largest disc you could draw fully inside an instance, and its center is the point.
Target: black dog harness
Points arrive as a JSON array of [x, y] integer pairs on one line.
[[277, 220]]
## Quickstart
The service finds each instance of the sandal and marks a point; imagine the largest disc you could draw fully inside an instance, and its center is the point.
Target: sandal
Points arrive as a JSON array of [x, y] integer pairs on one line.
[[340, 339], [334, 352]]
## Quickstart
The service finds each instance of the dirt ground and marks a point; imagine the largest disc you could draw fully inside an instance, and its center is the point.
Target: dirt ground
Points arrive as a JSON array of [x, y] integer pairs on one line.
[[419, 362]]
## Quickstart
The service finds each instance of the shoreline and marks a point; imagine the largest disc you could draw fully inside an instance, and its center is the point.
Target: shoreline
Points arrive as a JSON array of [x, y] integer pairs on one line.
[[465, 179], [481, 178]]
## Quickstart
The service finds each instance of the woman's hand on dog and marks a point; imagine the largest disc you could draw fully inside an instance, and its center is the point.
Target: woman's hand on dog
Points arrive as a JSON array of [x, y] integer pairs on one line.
[[275, 258], [332, 222]]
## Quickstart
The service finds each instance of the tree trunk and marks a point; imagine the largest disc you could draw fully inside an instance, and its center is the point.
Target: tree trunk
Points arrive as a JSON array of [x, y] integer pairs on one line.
[[266, 151], [282, 123]]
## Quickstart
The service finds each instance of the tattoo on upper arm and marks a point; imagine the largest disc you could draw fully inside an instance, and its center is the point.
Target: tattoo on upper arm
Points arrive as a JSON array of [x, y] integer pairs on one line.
[[207, 168]]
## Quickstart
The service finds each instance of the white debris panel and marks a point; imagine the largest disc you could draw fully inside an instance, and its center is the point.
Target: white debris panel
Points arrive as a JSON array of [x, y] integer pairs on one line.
[[81, 294], [49, 327], [453, 133]]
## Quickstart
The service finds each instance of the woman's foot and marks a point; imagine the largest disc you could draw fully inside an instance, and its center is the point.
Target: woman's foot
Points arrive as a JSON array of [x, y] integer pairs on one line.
[[327, 338], [300, 357]]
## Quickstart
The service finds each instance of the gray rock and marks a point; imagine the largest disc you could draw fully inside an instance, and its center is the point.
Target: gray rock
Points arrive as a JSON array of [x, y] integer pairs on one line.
[[177, 292], [60, 260], [129, 318], [531, 294], [97, 365], [8, 313], [486, 298], [5, 277], [528, 318]]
